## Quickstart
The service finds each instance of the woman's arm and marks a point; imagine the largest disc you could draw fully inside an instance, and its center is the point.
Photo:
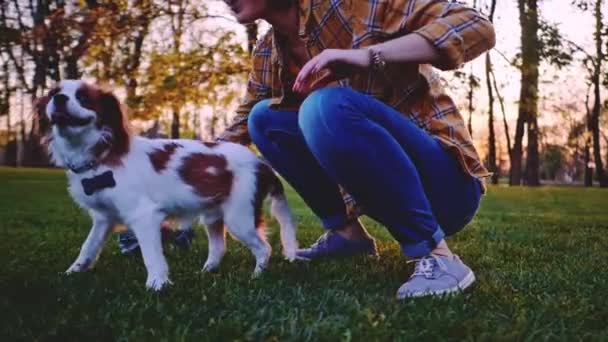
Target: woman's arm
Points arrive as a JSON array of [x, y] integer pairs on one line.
[[444, 34], [411, 48], [258, 88]]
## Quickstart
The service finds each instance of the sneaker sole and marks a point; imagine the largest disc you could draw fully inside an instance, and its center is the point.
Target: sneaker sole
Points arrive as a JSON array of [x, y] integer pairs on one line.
[[371, 256], [467, 281]]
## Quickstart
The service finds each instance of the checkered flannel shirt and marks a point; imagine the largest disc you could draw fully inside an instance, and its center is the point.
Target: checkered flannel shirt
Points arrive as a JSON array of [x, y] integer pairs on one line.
[[458, 32]]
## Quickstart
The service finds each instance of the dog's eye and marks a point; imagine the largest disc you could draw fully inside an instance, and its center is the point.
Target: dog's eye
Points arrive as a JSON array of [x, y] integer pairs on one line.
[[82, 98]]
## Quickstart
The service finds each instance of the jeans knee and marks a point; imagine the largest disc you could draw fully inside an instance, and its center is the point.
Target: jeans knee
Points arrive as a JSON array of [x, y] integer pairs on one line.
[[323, 110], [259, 118]]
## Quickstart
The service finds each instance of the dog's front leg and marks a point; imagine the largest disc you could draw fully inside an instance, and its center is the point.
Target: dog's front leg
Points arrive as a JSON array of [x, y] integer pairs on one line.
[[91, 248], [146, 227]]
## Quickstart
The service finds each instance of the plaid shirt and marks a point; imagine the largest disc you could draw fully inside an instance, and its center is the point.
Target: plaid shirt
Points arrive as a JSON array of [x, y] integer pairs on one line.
[[459, 34]]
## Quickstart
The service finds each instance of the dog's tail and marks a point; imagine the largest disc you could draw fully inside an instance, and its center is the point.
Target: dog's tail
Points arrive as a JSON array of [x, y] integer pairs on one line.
[[270, 185]]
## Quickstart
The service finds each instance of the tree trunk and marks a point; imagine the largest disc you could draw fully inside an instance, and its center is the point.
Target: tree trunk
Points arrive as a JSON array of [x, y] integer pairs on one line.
[[5, 109], [491, 134], [516, 155], [177, 25], [530, 61], [606, 142], [6, 101], [71, 68], [597, 107], [532, 159], [470, 97], [175, 125], [528, 97], [588, 170], [587, 154], [501, 101], [135, 49]]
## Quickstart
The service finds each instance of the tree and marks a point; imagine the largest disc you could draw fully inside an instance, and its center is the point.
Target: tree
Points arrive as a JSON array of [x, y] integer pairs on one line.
[[5, 97], [593, 63], [528, 96], [587, 149], [540, 41], [189, 80], [553, 159], [44, 42], [594, 122], [491, 160]]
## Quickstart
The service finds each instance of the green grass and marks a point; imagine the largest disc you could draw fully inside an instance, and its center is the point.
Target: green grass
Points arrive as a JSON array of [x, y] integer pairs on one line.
[[540, 256]]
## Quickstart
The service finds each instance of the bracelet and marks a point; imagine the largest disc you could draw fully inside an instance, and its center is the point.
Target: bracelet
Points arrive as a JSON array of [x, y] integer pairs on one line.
[[377, 62]]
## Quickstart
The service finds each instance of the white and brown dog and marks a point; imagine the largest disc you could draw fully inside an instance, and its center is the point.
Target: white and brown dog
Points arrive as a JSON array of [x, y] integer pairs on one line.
[[138, 182]]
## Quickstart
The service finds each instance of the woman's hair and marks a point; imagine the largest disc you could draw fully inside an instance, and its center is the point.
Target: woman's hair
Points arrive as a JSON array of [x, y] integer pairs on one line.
[[282, 4]]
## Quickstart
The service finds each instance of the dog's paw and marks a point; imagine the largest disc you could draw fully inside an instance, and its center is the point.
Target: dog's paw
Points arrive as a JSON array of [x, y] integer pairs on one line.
[[259, 269], [290, 255], [157, 283], [210, 266], [78, 266]]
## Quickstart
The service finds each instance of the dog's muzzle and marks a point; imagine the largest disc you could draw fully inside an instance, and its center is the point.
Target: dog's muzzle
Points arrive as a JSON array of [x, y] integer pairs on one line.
[[65, 119]]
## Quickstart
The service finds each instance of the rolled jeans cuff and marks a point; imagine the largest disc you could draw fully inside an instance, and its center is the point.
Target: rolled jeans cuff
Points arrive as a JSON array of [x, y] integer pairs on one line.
[[336, 221], [425, 247]]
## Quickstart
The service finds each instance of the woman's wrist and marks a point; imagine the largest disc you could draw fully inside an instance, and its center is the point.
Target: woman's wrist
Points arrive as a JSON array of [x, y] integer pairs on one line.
[[376, 59], [411, 48]]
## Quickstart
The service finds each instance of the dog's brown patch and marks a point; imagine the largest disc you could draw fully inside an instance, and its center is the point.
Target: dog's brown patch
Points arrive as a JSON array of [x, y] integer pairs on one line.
[[266, 183], [208, 175], [160, 157], [42, 122], [111, 116]]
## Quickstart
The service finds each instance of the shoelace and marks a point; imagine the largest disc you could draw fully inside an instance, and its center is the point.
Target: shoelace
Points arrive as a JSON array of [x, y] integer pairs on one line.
[[426, 265]]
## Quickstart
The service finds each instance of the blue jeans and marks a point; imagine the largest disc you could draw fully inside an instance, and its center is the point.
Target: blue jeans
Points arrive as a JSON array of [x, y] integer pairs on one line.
[[402, 176]]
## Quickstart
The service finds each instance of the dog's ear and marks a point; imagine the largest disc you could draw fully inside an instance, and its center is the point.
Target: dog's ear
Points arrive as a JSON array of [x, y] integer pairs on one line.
[[112, 116], [111, 111], [42, 120]]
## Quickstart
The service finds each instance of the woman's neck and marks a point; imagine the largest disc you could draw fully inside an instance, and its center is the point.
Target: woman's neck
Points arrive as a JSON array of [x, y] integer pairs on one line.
[[285, 22]]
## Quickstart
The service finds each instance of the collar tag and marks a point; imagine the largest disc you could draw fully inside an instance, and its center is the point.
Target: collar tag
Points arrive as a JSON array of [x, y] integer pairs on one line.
[[97, 183]]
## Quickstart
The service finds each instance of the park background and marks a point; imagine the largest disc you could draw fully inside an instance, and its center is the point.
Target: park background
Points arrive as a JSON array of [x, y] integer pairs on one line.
[[536, 107], [535, 104]]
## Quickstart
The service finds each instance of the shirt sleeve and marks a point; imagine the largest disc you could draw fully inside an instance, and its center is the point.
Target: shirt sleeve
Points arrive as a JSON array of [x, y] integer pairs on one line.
[[458, 32], [258, 88], [237, 131]]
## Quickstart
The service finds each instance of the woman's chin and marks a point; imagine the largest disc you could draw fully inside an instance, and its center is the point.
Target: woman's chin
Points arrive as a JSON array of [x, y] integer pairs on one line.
[[244, 20], [246, 17]]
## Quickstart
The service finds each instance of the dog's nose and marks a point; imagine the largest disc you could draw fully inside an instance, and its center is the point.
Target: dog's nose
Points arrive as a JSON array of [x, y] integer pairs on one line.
[[60, 100]]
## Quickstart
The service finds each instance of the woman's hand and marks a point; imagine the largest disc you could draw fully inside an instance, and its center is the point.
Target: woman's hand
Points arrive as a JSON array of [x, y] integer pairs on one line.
[[337, 64]]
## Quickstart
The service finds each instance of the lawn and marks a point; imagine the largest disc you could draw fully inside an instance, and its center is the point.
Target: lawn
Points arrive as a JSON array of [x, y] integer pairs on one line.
[[540, 256]]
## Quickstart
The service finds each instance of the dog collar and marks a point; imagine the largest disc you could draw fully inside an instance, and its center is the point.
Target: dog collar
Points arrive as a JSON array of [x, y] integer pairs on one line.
[[90, 165], [93, 163]]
